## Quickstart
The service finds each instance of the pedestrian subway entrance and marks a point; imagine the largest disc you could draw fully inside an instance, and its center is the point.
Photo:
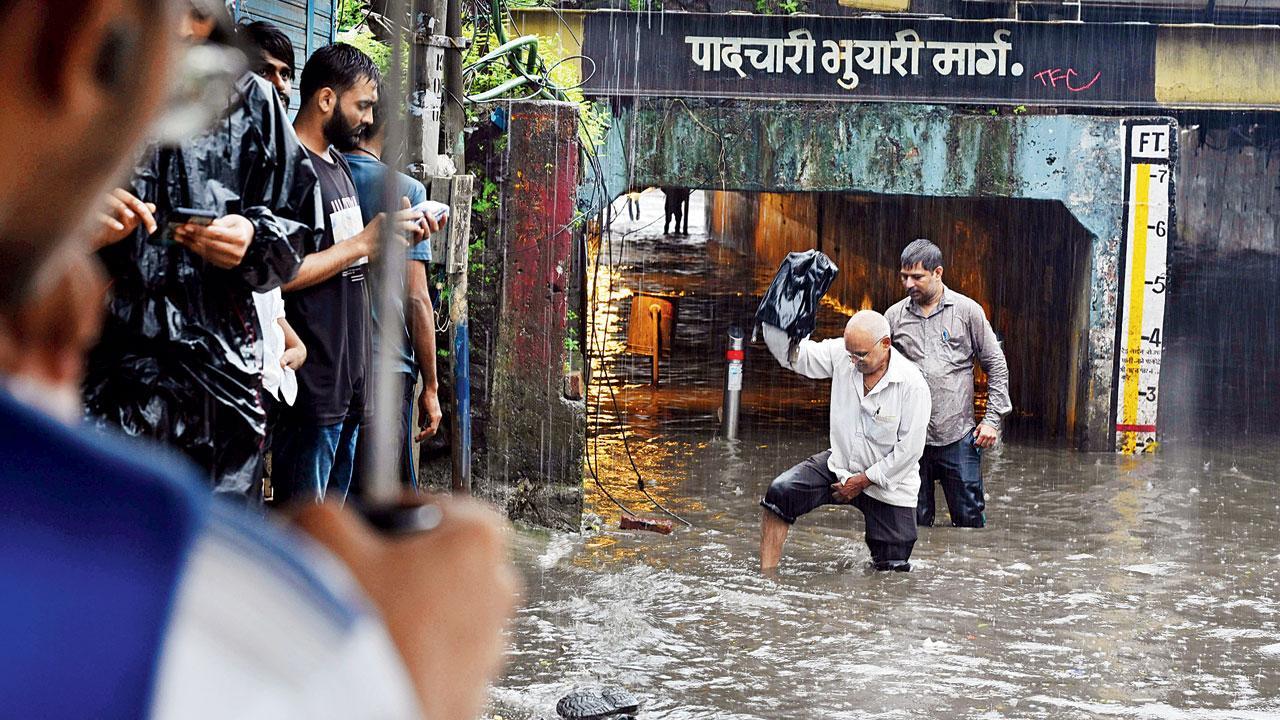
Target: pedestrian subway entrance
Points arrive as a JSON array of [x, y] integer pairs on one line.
[[1026, 262], [1075, 197]]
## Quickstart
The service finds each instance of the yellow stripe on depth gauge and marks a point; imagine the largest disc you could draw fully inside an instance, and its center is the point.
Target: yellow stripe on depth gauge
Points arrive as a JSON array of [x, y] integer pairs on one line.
[[1137, 292]]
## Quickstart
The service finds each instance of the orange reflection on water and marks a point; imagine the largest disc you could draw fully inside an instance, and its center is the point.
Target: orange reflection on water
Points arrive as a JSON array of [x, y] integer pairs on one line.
[[625, 434]]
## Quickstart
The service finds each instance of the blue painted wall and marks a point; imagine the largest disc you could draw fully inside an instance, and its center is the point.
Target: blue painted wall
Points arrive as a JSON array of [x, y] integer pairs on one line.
[[308, 23]]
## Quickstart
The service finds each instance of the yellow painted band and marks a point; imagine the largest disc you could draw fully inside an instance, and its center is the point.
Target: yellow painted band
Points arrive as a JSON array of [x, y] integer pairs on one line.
[[1219, 65], [1137, 288]]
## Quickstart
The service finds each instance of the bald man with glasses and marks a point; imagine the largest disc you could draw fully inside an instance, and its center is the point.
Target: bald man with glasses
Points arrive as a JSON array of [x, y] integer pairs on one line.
[[879, 416]]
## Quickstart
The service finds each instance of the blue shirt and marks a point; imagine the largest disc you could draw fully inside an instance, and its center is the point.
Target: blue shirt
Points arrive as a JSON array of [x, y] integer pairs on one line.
[[367, 174], [123, 576]]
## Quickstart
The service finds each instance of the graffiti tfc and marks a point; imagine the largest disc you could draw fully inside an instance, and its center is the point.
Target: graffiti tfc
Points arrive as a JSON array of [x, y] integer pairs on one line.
[[1051, 77]]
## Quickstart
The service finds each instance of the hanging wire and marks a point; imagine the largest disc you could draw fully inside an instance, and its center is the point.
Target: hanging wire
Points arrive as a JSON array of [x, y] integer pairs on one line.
[[610, 381], [606, 243]]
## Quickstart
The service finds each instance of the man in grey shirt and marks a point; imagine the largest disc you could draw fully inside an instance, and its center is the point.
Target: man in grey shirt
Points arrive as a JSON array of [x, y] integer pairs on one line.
[[943, 332]]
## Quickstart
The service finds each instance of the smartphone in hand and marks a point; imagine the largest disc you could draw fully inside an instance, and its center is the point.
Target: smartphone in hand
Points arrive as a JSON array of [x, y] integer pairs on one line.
[[178, 217], [437, 211]]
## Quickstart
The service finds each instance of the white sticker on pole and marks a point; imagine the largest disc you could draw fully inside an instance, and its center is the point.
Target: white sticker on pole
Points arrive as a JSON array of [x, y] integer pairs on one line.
[[735, 375], [1149, 224]]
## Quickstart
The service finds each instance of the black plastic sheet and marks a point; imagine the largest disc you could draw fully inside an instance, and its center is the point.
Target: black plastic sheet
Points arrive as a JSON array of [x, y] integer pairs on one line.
[[791, 302], [181, 354]]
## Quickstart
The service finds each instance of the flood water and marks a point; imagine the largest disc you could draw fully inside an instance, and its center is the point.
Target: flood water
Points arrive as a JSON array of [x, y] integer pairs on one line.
[[1103, 586]]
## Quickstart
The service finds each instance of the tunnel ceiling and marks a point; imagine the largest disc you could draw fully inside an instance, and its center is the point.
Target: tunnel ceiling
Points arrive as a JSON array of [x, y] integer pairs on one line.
[[871, 148]]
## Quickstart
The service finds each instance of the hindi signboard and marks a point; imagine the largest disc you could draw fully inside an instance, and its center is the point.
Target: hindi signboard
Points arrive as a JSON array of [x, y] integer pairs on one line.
[[856, 59]]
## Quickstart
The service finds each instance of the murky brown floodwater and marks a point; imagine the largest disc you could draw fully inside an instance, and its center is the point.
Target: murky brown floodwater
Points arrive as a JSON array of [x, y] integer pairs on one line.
[[1103, 587]]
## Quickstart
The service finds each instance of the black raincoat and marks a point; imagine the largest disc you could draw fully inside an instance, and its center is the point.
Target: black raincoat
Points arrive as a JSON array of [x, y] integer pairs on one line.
[[180, 359]]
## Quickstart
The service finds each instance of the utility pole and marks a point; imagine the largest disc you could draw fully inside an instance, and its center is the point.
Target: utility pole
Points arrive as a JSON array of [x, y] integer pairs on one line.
[[455, 116], [438, 94], [427, 89], [458, 259]]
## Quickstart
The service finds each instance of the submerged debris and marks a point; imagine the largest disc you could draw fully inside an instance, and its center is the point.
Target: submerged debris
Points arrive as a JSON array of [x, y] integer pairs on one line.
[[632, 522], [598, 702]]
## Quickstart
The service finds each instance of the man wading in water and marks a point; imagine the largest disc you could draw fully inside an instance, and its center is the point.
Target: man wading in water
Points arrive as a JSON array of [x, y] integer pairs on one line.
[[879, 414], [944, 332]]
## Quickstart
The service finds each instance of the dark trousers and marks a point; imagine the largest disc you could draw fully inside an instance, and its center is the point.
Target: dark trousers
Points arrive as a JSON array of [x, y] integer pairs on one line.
[[404, 441], [891, 530], [958, 468]]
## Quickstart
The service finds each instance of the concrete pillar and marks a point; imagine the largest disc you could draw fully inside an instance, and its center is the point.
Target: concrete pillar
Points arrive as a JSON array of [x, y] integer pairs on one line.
[[535, 436]]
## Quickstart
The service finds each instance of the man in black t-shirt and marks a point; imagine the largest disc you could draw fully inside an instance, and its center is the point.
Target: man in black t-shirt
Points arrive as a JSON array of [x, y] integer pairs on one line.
[[327, 303]]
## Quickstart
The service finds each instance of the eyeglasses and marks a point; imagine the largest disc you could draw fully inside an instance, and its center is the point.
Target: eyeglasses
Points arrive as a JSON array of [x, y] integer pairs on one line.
[[863, 355], [204, 77]]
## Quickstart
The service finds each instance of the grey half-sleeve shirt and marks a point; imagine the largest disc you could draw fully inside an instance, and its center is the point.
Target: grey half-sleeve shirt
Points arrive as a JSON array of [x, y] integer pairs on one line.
[[944, 346]]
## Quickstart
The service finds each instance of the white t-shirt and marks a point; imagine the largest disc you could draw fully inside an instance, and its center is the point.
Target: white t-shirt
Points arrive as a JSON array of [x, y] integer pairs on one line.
[[265, 629], [281, 382]]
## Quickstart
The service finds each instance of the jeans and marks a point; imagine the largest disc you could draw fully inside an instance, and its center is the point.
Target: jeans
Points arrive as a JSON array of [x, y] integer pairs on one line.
[[310, 462], [958, 467]]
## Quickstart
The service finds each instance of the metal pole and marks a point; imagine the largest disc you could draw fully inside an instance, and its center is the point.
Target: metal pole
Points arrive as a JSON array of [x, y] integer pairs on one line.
[[457, 260], [655, 315], [455, 116], [733, 382], [459, 255], [427, 87], [438, 93], [382, 486]]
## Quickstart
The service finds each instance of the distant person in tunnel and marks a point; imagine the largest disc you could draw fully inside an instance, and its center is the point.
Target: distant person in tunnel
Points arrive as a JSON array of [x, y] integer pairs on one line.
[[633, 203], [677, 206], [943, 332], [879, 415]]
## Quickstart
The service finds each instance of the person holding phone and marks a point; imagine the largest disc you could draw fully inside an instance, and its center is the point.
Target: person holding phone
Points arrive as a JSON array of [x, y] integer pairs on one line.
[[415, 320], [203, 225], [314, 443]]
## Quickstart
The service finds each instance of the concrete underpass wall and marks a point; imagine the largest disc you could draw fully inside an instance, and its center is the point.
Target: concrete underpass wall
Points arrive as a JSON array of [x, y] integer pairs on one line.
[[763, 226], [1220, 377], [1026, 262]]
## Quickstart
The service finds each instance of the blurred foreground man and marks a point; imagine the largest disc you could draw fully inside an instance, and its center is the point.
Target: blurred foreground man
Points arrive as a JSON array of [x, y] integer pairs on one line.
[[879, 414], [128, 592]]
